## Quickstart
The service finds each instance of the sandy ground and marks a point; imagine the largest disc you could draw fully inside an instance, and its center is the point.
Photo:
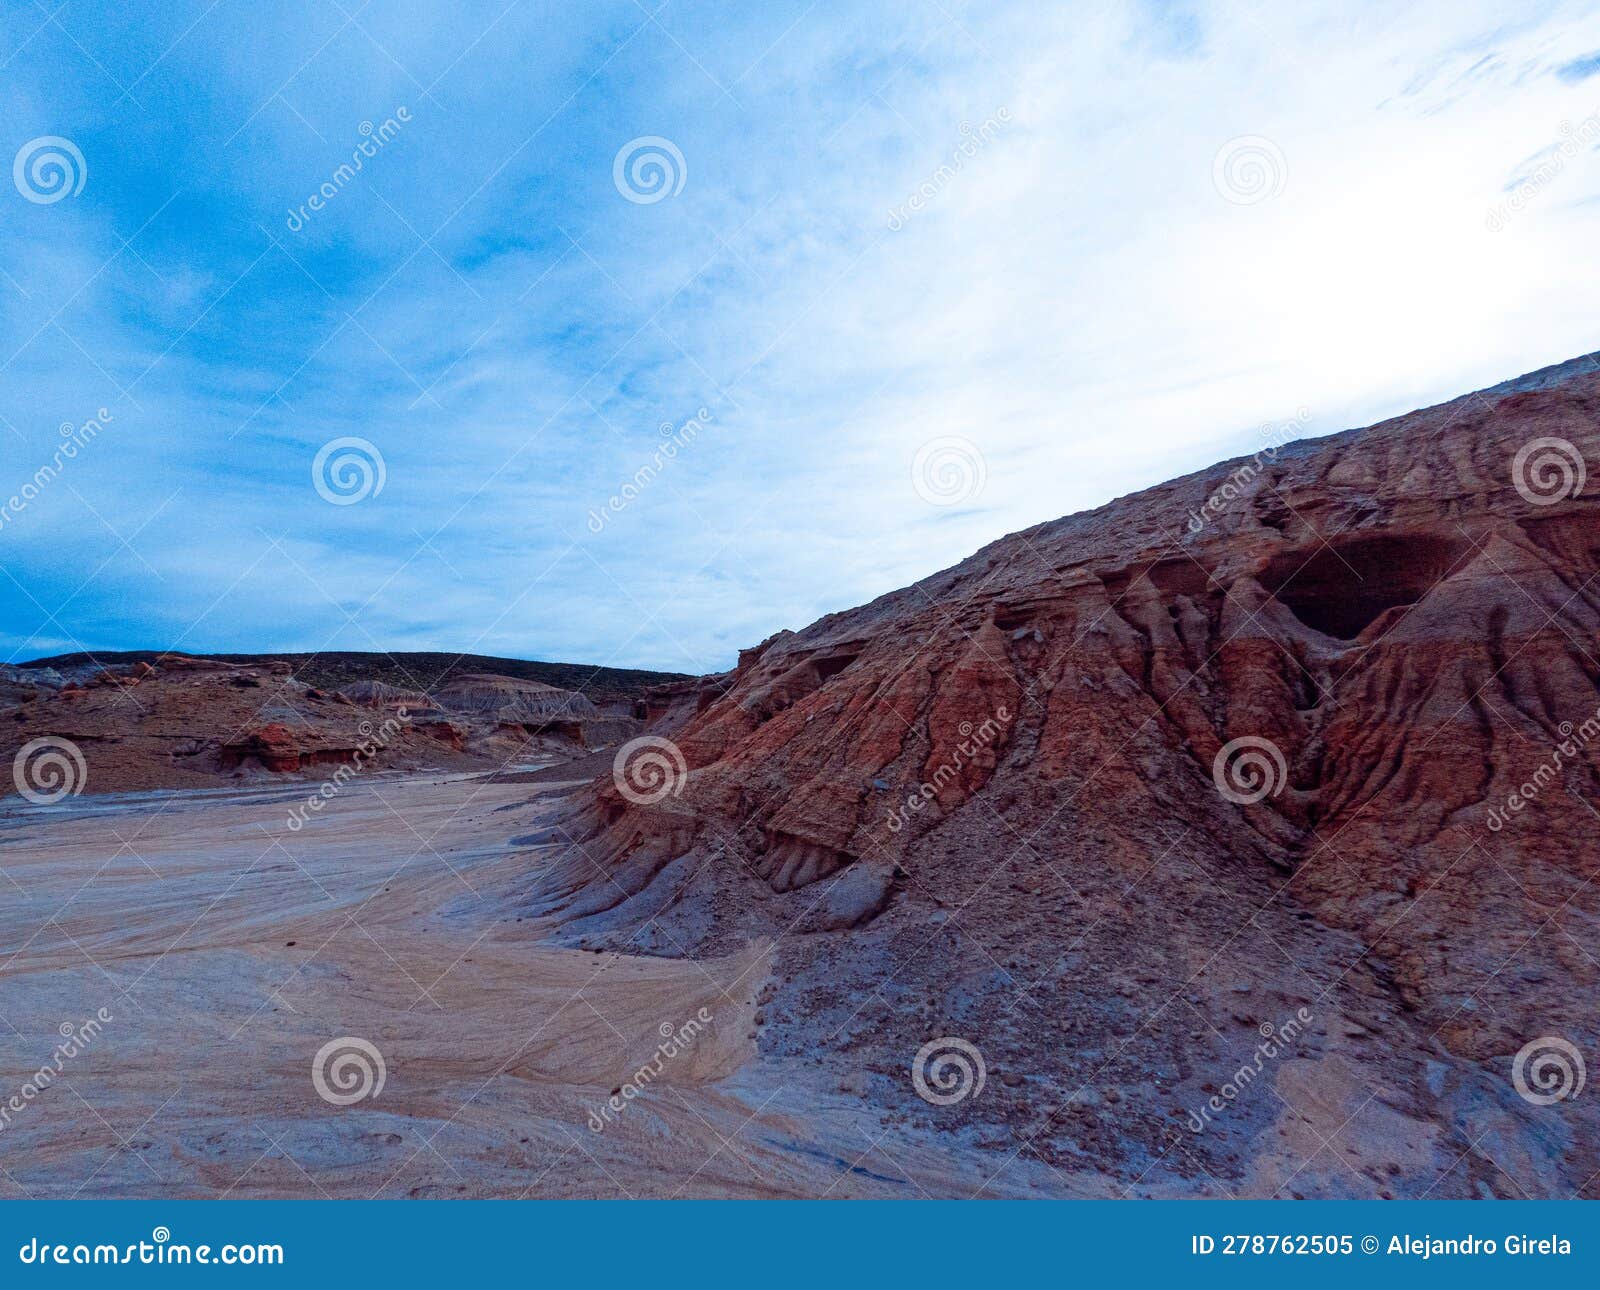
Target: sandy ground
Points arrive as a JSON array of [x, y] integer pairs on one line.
[[227, 951]]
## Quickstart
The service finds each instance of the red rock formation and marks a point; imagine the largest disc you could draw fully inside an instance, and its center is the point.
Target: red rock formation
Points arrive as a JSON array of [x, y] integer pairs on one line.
[[1019, 764], [182, 722], [273, 745], [188, 723]]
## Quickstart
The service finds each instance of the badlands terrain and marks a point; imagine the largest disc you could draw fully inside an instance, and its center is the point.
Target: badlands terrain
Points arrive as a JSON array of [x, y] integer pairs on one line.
[[1235, 838]]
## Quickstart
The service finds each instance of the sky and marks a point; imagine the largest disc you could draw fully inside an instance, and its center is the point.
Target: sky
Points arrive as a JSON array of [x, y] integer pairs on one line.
[[631, 333]]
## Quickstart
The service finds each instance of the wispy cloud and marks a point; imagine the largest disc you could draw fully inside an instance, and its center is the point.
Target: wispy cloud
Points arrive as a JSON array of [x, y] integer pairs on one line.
[[481, 303]]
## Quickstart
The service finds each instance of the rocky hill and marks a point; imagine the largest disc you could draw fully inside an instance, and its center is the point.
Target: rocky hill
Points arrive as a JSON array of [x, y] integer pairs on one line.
[[1298, 755], [417, 670], [154, 721]]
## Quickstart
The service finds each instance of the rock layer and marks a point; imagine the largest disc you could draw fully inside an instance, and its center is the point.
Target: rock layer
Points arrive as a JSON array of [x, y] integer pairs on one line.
[[1317, 729], [176, 721]]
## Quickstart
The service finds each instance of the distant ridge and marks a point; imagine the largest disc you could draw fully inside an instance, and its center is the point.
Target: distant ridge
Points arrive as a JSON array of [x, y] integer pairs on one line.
[[426, 670]]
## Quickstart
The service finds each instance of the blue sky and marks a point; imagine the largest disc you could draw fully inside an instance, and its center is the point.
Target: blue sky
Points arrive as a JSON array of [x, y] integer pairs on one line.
[[1096, 245]]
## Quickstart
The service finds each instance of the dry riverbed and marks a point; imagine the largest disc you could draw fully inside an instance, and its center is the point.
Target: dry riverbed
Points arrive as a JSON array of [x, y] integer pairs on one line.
[[215, 952]]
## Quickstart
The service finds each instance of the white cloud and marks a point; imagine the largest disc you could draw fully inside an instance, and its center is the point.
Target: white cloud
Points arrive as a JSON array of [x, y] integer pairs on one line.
[[1076, 297]]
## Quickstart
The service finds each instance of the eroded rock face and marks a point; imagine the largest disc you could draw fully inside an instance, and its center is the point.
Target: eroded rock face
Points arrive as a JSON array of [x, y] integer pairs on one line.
[[175, 721], [514, 706], [273, 745], [512, 701], [394, 698], [1398, 641], [181, 722]]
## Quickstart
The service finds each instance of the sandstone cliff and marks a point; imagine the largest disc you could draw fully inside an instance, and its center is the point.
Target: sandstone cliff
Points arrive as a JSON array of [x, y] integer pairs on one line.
[[1316, 729]]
